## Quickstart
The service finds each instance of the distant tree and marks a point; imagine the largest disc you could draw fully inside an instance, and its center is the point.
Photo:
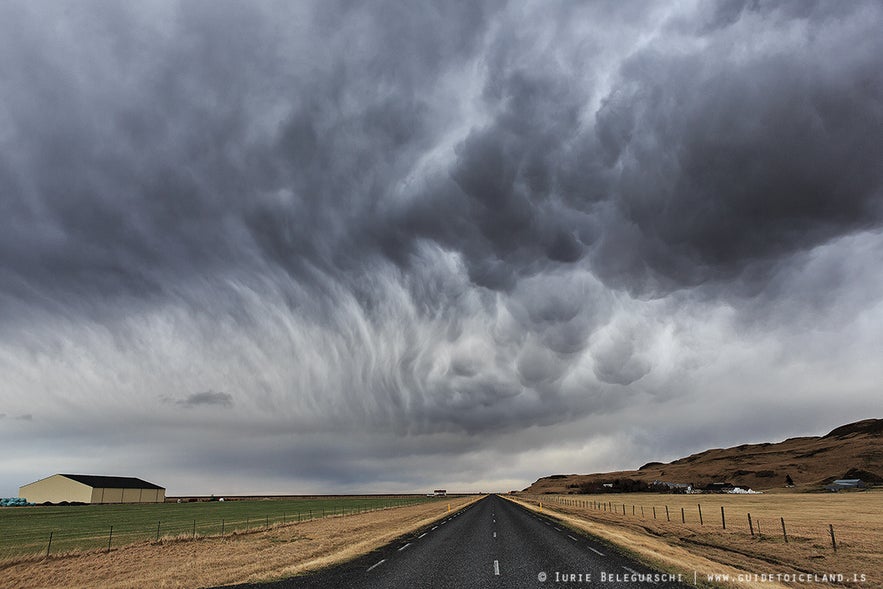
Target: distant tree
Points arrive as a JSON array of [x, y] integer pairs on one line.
[[788, 480]]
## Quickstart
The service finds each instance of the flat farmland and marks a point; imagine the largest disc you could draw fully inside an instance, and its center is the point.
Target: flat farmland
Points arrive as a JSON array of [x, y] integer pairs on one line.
[[210, 561], [25, 531], [649, 523]]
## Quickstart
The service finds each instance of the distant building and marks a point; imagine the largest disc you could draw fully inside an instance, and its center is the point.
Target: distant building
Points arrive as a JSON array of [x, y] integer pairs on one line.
[[841, 484], [682, 487], [80, 488], [440, 493], [719, 487]]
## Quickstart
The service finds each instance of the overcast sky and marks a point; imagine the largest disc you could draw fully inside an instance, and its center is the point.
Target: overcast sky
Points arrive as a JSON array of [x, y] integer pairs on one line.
[[302, 247]]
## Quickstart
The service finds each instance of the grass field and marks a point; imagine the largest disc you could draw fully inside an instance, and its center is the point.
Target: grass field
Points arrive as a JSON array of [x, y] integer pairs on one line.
[[25, 530], [262, 555], [856, 518]]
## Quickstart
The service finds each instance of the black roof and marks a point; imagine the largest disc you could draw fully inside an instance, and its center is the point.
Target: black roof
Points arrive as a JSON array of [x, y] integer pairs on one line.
[[105, 482]]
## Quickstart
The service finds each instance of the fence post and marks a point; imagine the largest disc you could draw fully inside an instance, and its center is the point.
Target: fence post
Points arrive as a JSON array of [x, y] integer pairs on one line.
[[667, 516], [157, 529], [48, 546], [109, 538], [784, 534], [623, 508], [750, 525], [683, 517], [633, 510], [268, 521], [833, 541], [701, 523], [654, 512], [642, 511], [723, 518], [194, 528]]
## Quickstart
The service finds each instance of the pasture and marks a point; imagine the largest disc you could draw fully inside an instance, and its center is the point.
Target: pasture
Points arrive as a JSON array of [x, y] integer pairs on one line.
[[25, 531], [788, 531]]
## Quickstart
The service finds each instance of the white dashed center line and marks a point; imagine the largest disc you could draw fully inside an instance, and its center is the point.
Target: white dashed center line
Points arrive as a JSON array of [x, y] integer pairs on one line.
[[495, 534], [405, 546], [421, 535], [497, 568], [572, 538], [373, 566], [599, 553]]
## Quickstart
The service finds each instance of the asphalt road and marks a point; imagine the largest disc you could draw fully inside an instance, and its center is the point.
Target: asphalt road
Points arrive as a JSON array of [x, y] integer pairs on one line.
[[493, 543]]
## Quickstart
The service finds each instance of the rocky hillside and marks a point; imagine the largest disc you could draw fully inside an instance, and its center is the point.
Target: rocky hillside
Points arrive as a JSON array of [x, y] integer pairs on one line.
[[849, 451]]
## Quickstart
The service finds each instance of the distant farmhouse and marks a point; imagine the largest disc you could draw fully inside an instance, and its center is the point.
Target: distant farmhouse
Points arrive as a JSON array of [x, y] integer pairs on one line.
[[440, 493], [841, 484], [81, 488]]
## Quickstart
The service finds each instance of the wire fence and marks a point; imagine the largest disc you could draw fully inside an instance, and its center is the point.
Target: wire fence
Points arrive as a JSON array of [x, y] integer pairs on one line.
[[704, 516], [48, 531]]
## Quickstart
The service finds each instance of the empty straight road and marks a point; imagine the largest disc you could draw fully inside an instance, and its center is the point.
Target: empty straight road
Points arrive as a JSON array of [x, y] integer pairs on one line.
[[493, 543]]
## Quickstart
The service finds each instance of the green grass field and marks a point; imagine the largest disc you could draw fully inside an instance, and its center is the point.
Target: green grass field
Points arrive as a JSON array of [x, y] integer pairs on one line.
[[26, 530]]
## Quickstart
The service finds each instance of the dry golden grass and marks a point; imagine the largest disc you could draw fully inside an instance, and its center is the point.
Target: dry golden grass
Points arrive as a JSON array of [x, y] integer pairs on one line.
[[857, 519], [850, 451], [279, 552]]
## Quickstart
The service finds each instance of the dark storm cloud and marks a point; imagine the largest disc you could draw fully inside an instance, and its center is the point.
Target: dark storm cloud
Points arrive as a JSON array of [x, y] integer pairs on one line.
[[746, 157], [422, 220]]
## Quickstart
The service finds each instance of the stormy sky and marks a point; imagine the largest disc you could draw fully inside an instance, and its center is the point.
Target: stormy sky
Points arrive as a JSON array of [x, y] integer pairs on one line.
[[297, 247]]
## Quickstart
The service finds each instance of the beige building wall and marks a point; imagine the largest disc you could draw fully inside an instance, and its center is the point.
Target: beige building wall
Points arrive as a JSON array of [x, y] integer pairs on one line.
[[56, 489], [103, 495]]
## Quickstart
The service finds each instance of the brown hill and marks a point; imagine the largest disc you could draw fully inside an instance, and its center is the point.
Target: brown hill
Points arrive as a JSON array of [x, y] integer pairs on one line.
[[850, 451]]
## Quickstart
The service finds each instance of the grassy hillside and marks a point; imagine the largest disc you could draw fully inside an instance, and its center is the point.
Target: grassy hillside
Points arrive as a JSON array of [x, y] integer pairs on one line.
[[850, 451]]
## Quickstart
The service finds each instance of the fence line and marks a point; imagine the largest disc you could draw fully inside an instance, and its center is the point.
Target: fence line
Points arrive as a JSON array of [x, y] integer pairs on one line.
[[118, 535], [802, 532]]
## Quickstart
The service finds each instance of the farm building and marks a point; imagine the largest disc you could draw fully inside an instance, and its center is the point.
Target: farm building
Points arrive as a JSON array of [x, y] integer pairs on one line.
[[846, 484], [82, 488]]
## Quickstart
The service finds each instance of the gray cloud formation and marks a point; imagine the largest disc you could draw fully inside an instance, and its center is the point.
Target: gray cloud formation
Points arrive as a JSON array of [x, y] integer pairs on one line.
[[207, 398], [415, 223]]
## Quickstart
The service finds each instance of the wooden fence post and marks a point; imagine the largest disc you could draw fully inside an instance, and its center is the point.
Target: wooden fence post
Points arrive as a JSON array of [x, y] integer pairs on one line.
[[683, 517], [701, 523], [654, 512], [667, 517], [109, 538], [194, 528], [784, 533], [157, 530], [48, 546], [642, 511], [723, 518], [750, 525], [833, 541]]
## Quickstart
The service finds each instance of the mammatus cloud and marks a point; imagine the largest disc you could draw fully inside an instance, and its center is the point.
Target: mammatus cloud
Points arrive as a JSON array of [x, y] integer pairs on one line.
[[442, 234]]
